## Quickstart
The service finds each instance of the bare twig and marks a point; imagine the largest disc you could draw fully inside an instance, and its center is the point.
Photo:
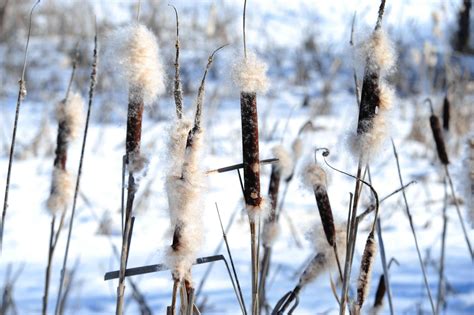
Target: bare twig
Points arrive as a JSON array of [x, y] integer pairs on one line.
[[21, 96]]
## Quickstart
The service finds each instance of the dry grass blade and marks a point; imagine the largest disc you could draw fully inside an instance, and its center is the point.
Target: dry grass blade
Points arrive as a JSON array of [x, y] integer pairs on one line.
[[412, 227], [238, 290]]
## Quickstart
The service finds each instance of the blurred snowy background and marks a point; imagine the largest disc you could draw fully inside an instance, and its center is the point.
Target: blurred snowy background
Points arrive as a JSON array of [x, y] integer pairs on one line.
[[306, 45]]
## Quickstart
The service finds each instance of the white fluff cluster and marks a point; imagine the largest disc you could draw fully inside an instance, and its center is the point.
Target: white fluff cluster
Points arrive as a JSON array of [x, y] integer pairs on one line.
[[380, 57], [368, 143], [379, 52], [260, 211], [314, 175], [61, 191], [271, 230], [71, 112], [297, 148], [135, 52], [285, 162], [249, 74], [321, 245], [325, 259], [184, 186]]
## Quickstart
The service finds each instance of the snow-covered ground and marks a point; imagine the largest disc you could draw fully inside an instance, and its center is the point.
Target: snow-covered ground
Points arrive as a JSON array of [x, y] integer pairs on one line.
[[28, 222]]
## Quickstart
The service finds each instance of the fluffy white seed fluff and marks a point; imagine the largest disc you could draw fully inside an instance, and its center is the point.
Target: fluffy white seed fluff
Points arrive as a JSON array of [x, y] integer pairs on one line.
[[375, 310], [317, 266], [368, 143], [258, 212], [321, 245], [285, 162], [466, 176], [379, 52], [249, 74], [71, 112], [314, 175], [325, 259], [271, 230], [178, 135], [297, 148], [61, 191], [184, 186], [135, 52]]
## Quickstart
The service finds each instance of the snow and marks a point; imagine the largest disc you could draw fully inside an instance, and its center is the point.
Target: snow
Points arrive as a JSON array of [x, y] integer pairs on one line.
[[28, 222]]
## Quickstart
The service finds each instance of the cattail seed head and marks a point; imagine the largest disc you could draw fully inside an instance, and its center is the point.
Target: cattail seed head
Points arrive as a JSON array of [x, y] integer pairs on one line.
[[367, 262], [318, 237], [249, 74], [439, 141], [376, 98], [135, 52], [61, 191], [317, 266], [325, 213], [70, 113], [446, 113]]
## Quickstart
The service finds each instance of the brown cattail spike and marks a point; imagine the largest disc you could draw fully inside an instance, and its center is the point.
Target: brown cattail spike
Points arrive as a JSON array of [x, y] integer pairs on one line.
[[249, 117], [446, 113], [379, 295], [370, 101], [134, 124], [367, 262], [438, 135], [325, 213]]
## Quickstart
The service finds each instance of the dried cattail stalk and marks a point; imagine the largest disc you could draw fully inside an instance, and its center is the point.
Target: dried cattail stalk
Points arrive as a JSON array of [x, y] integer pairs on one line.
[[92, 86], [69, 116], [21, 97], [446, 113], [136, 51], [363, 284], [184, 186], [438, 136], [250, 75]]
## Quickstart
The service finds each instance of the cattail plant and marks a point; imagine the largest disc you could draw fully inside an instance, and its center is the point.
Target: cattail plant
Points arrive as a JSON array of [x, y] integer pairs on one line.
[[93, 82], [375, 102], [69, 116], [250, 76], [376, 96], [136, 55], [315, 178], [323, 260], [184, 187], [21, 97], [443, 157], [280, 170]]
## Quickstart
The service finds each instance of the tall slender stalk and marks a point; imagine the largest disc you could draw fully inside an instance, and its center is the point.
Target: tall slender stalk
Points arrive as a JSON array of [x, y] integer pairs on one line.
[[92, 86], [21, 96], [412, 227]]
